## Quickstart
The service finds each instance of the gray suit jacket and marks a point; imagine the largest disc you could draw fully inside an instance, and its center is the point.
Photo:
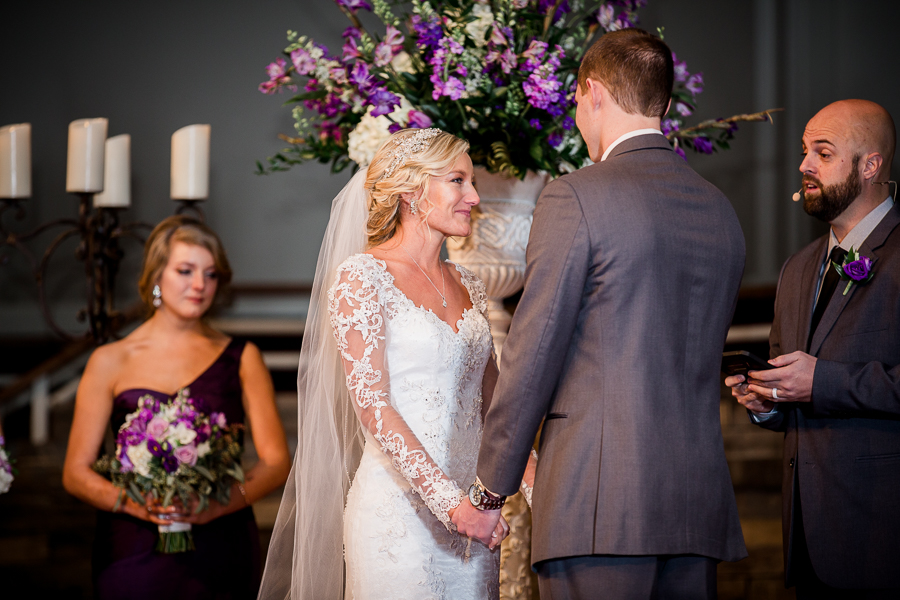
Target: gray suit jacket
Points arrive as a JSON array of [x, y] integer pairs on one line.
[[842, 450], [633, 271]]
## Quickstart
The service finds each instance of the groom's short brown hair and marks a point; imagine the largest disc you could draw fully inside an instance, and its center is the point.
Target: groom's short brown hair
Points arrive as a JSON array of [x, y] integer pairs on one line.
[[637, 68]]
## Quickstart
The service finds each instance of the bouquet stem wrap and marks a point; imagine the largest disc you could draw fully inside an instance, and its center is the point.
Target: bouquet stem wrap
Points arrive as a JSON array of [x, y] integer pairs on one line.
[[175, 537]]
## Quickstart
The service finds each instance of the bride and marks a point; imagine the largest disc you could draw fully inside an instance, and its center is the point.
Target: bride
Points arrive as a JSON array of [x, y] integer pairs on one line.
[[396, 374]]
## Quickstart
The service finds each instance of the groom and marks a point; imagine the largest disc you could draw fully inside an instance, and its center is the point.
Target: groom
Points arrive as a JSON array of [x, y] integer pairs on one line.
[[633, 271]]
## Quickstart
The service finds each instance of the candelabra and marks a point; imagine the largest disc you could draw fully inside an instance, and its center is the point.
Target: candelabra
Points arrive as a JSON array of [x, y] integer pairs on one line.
[[98, 232], [98, 172]]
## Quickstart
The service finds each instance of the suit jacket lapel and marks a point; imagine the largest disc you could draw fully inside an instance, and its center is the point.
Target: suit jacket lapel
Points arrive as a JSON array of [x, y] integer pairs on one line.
[[808, 289], [839, 301]]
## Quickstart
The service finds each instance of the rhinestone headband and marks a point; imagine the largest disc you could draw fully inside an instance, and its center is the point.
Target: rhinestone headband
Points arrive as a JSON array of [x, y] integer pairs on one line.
[[408, 146]]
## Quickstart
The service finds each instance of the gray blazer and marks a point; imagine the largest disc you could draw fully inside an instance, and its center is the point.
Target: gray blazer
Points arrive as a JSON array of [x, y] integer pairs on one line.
[[633, 272], [842, 450]]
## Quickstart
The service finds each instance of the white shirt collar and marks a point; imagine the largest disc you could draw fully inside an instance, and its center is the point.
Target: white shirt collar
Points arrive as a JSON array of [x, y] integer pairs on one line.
[[857, 236], [628, 136]]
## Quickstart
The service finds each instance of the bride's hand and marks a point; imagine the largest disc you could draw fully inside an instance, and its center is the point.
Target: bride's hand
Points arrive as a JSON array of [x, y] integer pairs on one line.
[[499, 534]]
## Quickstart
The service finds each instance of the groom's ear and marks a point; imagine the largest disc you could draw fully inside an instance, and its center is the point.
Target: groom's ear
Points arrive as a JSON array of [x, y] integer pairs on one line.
[[594, 93]]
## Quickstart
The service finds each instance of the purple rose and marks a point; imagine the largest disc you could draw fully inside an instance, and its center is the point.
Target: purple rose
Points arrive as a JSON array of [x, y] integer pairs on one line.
[[858, 270], [157, 428], [186, 455]]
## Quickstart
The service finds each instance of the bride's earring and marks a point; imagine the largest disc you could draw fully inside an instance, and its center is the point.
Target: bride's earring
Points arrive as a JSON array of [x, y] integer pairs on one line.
[[413, 207], [157, 296]]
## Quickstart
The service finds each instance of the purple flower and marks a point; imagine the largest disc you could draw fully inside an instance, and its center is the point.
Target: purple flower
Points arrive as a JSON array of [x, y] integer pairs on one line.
[[277, 69], [555, 139], [541, 93], [419, 120], [535, 124], [669, 125], [394, 127], [534, 55], [350, 51], [157, 428], [360, 77], [858, 270], [127, 465], [203, 432], [680, 152], [429, 32], [683, 109], [383, 101], [186, 455], [681, 72], [695, 83], [453, 87], [169, 463], [218, 419], [354, 5], [304, 63], [702, 144], [351, 32], [568, 123], [497, 36], [155, 448]]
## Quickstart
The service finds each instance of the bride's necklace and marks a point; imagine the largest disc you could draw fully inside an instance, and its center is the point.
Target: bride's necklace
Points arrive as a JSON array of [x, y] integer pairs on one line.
[[443, 287]]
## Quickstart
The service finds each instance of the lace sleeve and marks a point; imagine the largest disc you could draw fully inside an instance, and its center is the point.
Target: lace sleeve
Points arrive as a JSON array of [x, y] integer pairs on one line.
[[358, 321]]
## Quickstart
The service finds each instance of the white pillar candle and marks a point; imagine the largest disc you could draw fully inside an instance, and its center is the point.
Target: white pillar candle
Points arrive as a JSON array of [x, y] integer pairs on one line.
[[190, 163], [15, 161], [116, 174], [84, 170]]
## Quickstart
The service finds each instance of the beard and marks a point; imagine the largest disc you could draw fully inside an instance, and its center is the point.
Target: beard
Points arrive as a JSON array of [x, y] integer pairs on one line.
[[832, 200]]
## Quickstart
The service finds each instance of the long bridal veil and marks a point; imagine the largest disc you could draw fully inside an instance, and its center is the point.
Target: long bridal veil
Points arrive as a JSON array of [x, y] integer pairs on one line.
[[305, 558]]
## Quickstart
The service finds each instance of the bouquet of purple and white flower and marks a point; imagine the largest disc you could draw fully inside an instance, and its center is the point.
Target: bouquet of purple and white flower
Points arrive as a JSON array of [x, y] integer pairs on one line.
[[6, 469], [500, 73], [170, 452]]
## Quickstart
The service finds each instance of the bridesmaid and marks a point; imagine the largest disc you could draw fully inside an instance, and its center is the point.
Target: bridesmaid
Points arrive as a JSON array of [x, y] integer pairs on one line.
[[184, 267]]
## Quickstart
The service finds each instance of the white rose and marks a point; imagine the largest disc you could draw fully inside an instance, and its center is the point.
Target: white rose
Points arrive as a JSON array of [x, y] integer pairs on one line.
[[140, 457], [182, 434], [5, 480]]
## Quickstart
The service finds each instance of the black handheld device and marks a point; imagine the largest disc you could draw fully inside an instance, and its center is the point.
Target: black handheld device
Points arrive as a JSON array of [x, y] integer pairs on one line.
[[739, 362]]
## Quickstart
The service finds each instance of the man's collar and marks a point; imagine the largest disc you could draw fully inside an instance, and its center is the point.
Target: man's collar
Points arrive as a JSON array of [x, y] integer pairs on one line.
[[856, 236], [627, 136]]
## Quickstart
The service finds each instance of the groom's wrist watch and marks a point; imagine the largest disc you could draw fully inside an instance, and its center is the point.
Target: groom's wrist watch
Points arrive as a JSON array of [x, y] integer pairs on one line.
[[482, 499]]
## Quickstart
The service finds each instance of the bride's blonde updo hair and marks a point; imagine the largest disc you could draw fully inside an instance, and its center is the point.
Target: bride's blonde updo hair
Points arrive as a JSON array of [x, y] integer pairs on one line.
[[387, 182]]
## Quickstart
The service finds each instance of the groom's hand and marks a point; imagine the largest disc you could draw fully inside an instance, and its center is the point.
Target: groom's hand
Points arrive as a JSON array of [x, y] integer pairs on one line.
[[474, 523]]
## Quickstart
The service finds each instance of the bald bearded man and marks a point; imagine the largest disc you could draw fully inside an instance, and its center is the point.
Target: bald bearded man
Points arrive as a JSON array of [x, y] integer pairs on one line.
[[835, 391]]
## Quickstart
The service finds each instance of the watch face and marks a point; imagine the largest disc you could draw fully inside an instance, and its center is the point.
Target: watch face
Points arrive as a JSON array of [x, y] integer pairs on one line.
[[475, 495]]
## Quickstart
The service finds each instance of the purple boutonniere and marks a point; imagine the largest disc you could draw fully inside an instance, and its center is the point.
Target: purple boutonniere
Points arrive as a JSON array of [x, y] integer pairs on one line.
[[856, 269]]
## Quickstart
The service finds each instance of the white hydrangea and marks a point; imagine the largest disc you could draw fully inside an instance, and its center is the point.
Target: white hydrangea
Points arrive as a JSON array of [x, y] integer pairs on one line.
[[140, 457], [365, 140]]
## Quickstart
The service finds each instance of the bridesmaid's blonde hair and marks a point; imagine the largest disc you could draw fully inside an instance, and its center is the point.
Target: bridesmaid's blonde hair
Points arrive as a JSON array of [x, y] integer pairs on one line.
[[384, 191]]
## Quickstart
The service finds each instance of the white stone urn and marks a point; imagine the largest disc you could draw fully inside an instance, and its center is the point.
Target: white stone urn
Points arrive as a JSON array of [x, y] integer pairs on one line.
[[496, 252], [496, 249]]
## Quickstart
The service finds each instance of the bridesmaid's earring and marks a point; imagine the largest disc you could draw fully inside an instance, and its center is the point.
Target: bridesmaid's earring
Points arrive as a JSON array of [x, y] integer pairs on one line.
[[413, 207], [157, 296]]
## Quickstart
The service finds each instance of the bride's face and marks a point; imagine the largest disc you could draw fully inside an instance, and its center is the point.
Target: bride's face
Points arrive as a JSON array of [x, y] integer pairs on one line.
[[452, 197]]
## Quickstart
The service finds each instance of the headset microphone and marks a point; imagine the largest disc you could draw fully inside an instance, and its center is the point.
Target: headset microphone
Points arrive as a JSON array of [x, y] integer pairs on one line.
[[796, 197]]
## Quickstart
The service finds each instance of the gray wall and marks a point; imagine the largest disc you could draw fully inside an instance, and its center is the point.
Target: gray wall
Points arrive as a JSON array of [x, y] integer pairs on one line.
[[153, 67]]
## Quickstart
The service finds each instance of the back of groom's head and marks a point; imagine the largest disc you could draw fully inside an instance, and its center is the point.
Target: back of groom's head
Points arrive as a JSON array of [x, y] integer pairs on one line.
[[637, 68]]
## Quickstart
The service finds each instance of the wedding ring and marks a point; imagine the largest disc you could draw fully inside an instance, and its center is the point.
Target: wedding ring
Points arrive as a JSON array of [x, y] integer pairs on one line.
[[775, 393]]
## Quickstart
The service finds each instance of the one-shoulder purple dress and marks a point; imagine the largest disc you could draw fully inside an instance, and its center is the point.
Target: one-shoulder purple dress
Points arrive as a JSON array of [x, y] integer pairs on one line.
[[226, 563]]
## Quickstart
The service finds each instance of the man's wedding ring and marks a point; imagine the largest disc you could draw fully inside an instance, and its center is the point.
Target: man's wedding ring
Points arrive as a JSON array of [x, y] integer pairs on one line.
[[775, 393]]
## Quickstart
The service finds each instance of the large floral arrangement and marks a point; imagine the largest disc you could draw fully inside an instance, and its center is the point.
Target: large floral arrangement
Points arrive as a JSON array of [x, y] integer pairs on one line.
[[175, 449], [501, 73]]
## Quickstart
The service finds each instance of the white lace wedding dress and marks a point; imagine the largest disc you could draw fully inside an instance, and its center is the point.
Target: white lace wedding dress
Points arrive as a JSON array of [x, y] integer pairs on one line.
[[417, 389]]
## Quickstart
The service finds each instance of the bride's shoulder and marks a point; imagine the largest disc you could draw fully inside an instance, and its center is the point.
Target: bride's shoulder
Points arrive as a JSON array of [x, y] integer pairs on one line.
[[364, 268]]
